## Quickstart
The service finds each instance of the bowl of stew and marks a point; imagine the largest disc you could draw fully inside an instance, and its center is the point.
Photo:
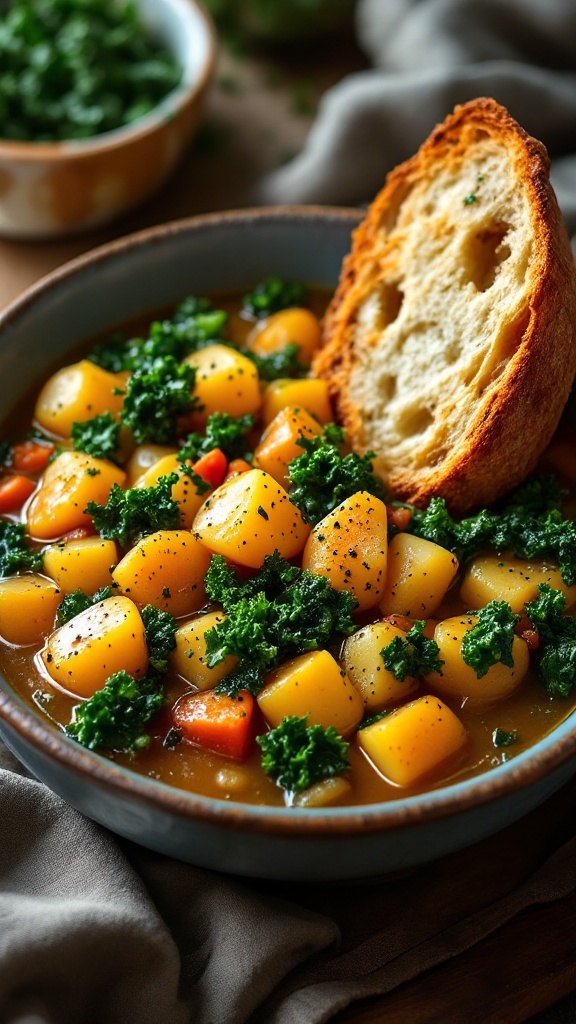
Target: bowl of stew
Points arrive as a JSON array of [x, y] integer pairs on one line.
[[220, 636], [98, 103]]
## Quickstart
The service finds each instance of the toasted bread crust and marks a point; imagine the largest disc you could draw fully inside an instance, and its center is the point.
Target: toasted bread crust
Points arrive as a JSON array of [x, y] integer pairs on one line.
[[507, 391]]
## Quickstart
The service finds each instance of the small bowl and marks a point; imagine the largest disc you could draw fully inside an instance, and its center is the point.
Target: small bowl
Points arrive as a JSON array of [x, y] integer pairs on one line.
[[49, 190], [93, 294]]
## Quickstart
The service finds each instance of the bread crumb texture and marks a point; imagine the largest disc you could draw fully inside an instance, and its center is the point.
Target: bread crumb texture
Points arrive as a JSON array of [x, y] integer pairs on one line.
[[450, 344]]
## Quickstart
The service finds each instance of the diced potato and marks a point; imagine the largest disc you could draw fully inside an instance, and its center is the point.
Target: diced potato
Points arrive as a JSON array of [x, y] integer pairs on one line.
[[323, 794], [507, 578], [287, 327], [104, 639], [363, 664], [414, 741], [142, 458], [419, 575], [68, 484], [184, 492], [83, 564], [279, 443], [77, 393], [460, 680], [189, 657], [166, 569], [28, 606], [226, 381], [349, 546], [312, 684], [310, 393], [249, 517]]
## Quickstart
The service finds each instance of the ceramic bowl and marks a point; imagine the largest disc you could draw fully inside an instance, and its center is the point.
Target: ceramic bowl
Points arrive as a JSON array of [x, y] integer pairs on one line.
[[55, 189], [94, 293]]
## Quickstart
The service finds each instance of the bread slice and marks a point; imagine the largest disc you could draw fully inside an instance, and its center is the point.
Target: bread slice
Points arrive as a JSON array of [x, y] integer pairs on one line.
[[450, 344]]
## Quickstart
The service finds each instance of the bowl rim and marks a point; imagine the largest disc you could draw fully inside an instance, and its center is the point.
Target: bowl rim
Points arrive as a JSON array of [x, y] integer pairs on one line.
[[166, 110], [550, 753]]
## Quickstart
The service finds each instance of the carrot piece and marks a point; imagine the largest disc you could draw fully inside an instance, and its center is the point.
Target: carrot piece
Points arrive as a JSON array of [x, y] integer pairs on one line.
[[212, 467], [399, 517], [14, 491], [79, 533], [31, 456], [216, 721], [236, 467]]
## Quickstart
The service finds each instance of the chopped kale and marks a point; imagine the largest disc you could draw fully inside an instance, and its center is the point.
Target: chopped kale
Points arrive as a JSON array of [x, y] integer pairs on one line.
[[130, 515], [490, 640], [160, 636], [222, 431], [280, 612], [557, 635], [156, 397], [272, 295], [284, 363], [413, 654], [15, 553], [116, 716], [296, 755], [99, 436], [76, 602], [321, 478], [501, 738], [530, 523], [372, 719]]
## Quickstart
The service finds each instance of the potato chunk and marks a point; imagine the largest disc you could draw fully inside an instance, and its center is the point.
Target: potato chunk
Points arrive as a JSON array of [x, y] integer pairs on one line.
[[28, 606], [460, 680], [189, 657], [312, 684], [363, 664], [143, 458], [279, 443], [166, 569], [68, 484], [226, 381], [77, 393], [82, 654], [507, 578], [349, 546], [249, 517], [83, 564], [184, 492], [418, 576], [293, 326], [311, 394], [414, 741]]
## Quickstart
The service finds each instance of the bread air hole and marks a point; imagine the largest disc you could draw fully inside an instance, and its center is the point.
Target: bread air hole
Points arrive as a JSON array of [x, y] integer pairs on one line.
[[413, 420], [390, 303], [484, 253]]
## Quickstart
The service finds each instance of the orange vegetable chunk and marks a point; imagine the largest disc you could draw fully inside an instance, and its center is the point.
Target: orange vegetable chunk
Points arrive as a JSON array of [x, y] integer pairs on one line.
[[166, 569], [279, 443], [28, 606], [418, 576], [459, 680], [310, 393], [184, 492], [76, 393], [68, 484], [216, 721], [83, 564], [293, 326], [226, 381], [189, 657], [312, 684]]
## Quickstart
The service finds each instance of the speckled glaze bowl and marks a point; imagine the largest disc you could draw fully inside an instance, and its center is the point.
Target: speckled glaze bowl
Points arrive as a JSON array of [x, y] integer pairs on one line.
[[95, 293], [49, 190]]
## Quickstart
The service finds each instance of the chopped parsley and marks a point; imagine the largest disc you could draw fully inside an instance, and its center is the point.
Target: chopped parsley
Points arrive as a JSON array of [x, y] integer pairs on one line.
[[15, 553], [99, 436], [490, 640], [297, 755], [557, 635], [321, 478], [413, 654], [130, 515], [272, 295], [156, 397]]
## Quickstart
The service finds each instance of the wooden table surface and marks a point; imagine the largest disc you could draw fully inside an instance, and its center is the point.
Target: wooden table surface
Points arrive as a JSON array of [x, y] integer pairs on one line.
[[258, 114]]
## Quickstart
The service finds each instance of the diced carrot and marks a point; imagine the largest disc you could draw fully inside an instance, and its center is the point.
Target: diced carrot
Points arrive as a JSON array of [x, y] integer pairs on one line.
[[236, 467], [79, 533], [212, 467], [14, 491], [216, 721], [400, 621], [531, 638], [399, 517], [31, 456]]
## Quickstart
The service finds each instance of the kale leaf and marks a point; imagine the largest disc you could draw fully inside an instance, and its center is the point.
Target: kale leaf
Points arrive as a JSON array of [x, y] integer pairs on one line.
[[160, 630], [156, 396], [76, 602], [502, 738], [296, 755], [321, 478], [490, 640], [130, 515], [115, 717], [557, 635], [15, 553], [99, 436], [284, 363], [413, 654], [272, 295], [280, 612], [228, 433]]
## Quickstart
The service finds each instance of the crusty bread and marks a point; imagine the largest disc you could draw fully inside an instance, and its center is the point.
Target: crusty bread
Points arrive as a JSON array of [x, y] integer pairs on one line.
[[450, 344]]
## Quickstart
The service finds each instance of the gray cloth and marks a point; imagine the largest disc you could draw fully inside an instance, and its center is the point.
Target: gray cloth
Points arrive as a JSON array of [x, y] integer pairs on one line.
[[430, 55]]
